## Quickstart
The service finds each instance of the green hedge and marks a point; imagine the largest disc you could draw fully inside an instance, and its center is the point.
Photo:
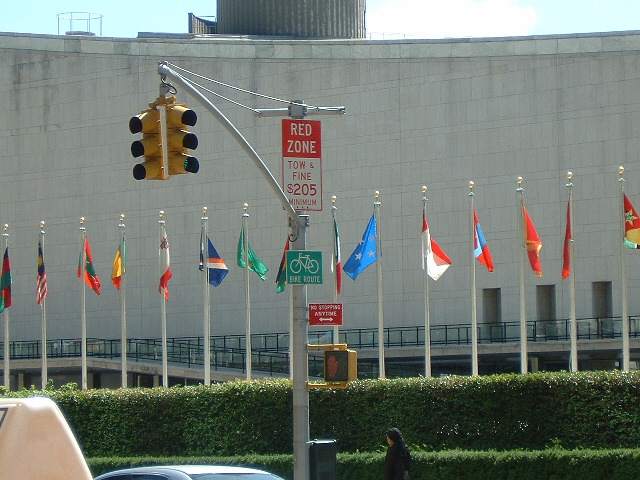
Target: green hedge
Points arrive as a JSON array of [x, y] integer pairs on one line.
[[550, 464], [502, 412]]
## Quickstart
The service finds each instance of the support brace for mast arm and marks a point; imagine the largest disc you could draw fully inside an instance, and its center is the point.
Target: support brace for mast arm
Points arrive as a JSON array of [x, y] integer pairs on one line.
[[164, 71]]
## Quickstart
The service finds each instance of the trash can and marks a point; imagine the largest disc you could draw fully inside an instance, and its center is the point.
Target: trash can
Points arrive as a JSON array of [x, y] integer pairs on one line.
[[322, 460]]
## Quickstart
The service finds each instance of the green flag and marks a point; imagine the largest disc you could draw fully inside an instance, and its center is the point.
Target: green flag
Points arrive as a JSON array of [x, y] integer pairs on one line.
[[254, 262]]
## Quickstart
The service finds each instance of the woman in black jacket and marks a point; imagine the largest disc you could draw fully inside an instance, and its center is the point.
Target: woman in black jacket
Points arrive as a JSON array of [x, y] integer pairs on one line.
[[397, 463]]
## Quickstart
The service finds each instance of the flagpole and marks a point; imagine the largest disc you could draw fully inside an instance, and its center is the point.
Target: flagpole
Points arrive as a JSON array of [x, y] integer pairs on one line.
[[376, 209], [7, 352], [336, 328], [291, 326], [623, 273], [123, 303], [427, 320], [204, 251], [44, 367], [245, 218], [83, 255], [523, 318], [474, 314], [163, 307], [573, 364]]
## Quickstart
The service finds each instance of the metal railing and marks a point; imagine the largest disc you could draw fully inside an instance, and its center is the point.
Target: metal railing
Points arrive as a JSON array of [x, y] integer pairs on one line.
[[270, 350]]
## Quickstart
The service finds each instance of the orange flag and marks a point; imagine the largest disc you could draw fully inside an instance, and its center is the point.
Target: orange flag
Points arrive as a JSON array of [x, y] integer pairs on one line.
[[533, 243]]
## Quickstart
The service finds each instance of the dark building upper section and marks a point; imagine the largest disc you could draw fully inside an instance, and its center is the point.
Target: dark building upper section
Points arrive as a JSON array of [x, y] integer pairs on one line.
[[292, 18]]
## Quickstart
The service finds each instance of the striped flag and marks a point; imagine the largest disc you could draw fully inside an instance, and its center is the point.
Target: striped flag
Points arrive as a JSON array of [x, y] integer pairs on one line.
[[41, 286]]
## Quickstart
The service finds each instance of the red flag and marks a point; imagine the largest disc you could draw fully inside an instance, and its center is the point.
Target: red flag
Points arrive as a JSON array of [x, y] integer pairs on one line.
[[566, 254], [533, 243]]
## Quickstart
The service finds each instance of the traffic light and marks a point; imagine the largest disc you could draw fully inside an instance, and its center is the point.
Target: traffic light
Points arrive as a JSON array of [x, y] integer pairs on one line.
[[340, 365], [150, 146], [180, 140]]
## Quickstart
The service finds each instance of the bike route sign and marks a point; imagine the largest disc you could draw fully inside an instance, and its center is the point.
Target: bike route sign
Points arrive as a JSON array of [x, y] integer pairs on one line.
[[304, 267]]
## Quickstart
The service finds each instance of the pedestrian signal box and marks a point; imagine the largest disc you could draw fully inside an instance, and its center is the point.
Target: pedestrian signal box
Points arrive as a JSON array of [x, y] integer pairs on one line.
[[340, 365]]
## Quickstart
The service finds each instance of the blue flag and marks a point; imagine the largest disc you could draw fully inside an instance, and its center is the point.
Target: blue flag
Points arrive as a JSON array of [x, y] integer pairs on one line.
[[217, 269], [365, 253]]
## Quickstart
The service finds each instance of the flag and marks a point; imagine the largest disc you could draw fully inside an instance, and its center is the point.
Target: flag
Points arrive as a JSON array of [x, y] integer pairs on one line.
[[119, 264], [41, 286], [281, 278], [255, 264], [5, 282], [532, 242], [480, 247], [90, 276], [165, 264], [217, 268], [566, 253], [631, 225], [336, 265], [365, 253], [434, 261]]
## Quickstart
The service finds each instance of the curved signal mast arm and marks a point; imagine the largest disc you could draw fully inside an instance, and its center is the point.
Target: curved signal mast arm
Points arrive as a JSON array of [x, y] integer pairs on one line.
[[165, 71]]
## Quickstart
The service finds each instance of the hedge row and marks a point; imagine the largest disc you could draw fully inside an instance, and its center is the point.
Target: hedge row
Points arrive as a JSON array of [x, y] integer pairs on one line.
[[619, 464], [503, 412]]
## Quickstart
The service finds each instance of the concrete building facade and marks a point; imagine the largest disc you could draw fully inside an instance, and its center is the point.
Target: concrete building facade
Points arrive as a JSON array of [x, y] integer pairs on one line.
[[439, 113]]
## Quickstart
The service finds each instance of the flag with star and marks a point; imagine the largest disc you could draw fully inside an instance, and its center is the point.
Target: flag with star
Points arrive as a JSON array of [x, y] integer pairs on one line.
[[365, 253], [631, 225]]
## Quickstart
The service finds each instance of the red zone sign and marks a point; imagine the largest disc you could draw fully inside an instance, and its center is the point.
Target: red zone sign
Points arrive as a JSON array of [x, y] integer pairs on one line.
[[302, 163], [325, 314]]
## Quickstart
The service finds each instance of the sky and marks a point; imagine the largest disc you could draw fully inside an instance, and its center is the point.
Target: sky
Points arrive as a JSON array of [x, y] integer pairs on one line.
[[384, 18]]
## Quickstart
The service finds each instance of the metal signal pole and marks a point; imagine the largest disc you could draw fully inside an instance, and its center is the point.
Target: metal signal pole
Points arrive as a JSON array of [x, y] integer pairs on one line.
[[298, 224]]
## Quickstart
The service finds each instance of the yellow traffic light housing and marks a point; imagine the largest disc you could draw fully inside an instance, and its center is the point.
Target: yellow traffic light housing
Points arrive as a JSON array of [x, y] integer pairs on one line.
[[149, 146], [180, 140], [340, 365], [165, 141]]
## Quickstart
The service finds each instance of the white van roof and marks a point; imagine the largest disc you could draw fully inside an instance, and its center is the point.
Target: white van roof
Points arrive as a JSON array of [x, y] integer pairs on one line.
[[36, 442]]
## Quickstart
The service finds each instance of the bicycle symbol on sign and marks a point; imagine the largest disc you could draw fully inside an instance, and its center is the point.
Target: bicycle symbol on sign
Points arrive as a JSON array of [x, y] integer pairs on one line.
[[304, 262]]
